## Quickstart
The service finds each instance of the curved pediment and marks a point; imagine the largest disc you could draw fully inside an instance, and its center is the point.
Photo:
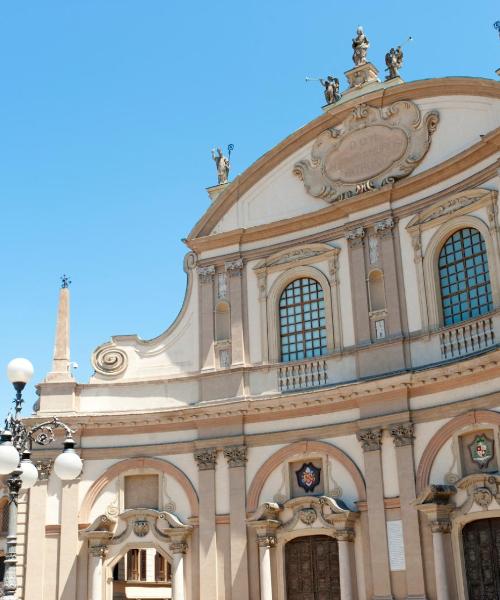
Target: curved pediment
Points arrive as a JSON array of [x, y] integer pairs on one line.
[[402, 119]]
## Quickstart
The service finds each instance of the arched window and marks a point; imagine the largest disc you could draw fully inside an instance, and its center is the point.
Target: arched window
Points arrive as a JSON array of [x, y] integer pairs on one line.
[[464, 277], [302, 320]]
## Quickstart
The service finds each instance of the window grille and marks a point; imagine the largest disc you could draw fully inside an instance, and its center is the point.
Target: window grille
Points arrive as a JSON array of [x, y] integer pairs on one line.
[[302, 320], [464, 277]]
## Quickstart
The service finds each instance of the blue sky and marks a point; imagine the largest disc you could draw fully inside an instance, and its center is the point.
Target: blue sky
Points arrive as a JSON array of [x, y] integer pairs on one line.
[[108, 112]]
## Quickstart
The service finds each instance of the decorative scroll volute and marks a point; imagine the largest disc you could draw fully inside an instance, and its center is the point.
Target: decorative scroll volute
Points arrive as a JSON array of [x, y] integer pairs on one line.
[[109, 360], [373, 147]]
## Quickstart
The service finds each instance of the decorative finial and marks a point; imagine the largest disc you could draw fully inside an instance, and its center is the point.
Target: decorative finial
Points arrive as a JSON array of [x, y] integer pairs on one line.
[[360, 45], [222, 163], [65, 281]]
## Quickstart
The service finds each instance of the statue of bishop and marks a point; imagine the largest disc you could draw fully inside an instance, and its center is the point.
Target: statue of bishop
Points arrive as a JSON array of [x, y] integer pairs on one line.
[[222, 164], [360, 45]]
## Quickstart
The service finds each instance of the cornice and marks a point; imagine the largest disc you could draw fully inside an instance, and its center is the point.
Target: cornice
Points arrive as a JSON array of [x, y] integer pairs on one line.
[[409, 91], [281, 406]]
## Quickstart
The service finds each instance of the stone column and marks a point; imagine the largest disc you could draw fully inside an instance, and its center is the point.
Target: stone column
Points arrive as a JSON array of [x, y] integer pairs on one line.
[[35, 551], [206, 459], [206, 303], [68, 541], [403, 435], [371, 442], [435, 503], [345, 541], [178, 550], [355, 238], [234, 270], [236, 458], [97, 553], [266, 542]]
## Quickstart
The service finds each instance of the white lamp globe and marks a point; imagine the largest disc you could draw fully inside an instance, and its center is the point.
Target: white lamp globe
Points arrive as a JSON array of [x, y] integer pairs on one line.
[[29, 474], [9, 456], [68, 465], [20, 370]]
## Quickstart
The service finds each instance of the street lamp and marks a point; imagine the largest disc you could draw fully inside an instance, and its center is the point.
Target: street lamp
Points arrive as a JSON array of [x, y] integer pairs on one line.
[[16, 442]]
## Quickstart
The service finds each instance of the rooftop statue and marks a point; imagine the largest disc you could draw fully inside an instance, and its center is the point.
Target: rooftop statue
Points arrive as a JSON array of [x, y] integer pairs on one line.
[[331, 85], [360, 45], [222, 163], [394, 61]]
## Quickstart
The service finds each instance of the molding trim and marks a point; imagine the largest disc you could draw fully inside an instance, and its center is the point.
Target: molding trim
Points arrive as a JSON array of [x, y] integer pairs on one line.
[[278, 457], [137, 463], [435, 444]]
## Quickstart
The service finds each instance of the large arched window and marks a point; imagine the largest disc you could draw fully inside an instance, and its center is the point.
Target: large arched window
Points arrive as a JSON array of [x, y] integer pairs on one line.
[[302, 320], [464, 276]]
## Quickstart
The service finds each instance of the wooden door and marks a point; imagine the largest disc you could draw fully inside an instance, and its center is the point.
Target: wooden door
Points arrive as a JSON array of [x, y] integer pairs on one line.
[[312, 568], [481, 541]]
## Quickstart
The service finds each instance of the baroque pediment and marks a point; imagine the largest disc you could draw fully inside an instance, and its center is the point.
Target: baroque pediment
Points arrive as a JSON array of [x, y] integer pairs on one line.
[[454, 204], [373, 147], [300, 255]]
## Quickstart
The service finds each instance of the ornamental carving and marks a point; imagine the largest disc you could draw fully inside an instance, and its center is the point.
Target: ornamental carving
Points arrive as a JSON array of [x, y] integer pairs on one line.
[[236, 456], [234, 267], [373, 147], [141, 528], [109, 360], [371, 439], [308, 516], [483, 497], [44, 468], [206, 274], [403, 434], [98, 551], [384, 228], [355, 237], [178, 547], [266, 541], [206, 458]]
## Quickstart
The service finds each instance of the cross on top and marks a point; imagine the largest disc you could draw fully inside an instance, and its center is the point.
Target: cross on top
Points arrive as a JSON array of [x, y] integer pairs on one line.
[[65, 281]]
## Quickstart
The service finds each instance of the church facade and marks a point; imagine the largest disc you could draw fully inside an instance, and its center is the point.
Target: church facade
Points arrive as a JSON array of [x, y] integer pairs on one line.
[[321, 421]]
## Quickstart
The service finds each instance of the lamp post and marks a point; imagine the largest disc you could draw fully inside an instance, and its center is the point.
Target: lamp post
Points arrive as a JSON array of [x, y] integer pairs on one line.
[[16, 443]]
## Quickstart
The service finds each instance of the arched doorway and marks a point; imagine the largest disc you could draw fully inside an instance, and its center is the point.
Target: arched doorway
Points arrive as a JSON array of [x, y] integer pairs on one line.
[[142, 573], [481, 540], [312, 568]]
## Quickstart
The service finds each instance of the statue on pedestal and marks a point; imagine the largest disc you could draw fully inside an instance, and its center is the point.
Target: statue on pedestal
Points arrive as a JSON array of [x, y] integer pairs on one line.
[[394, 61], [331, 85], [360, 45], [223, 165]]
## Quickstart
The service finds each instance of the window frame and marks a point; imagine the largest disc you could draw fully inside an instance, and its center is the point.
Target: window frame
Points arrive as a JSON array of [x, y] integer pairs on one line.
[[431, 268]]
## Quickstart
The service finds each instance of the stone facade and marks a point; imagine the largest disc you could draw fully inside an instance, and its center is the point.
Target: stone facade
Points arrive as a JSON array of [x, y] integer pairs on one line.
[[236, 455]]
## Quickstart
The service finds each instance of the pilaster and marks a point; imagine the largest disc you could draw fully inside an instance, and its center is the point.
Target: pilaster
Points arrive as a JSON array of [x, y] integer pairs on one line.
[[371, 442], [68, 544], [234, 271], [355, 239], [206, 303], [403, 435], [35, 551], [206, 459], [236, 457]]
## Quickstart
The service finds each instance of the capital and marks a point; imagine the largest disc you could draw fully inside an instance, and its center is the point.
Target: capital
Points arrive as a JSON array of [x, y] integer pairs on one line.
[[98, 551], [206, 274], [403, 434], [441, 526], [178, 547], [206, 458], [355, 237], [44, 468], [384, 228], [371, 439], [266, 541], [236, 456], [234, 267], [345, 535]]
